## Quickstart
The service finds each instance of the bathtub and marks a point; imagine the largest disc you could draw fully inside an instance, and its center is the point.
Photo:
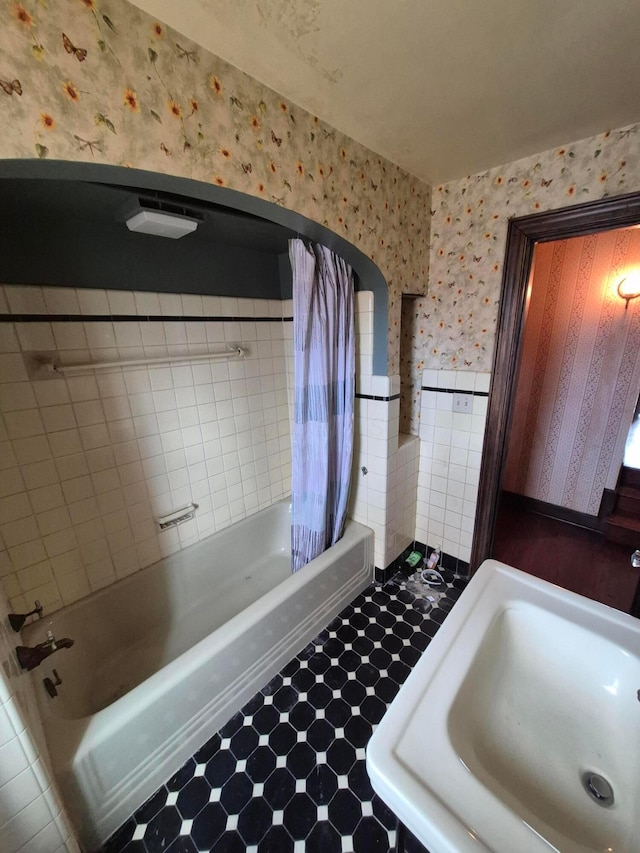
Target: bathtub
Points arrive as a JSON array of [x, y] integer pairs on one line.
[[162, 659]]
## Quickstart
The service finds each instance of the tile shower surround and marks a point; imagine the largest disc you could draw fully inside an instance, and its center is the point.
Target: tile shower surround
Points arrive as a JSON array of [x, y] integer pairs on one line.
[[89, 460], [32, 819], [83, 328], [287, 773], [61, 436]]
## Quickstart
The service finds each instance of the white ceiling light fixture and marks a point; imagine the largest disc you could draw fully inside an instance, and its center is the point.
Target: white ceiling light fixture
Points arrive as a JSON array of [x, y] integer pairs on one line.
[[161, 224]]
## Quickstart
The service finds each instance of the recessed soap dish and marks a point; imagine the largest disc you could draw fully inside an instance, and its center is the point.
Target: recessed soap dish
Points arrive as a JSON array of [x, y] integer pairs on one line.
[[178, 516]]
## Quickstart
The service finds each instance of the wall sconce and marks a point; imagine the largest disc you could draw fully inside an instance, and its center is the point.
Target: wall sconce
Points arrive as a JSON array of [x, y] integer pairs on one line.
[[629, 288]]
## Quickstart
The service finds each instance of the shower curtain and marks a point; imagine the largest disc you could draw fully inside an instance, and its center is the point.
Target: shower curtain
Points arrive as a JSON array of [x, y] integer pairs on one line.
[[324, 389]]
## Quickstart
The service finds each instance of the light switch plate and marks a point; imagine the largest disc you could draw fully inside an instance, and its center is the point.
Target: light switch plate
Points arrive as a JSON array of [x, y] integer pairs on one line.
[[462, 403]]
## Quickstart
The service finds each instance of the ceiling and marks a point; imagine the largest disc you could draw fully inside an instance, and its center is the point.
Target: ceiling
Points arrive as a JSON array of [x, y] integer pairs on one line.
[[443, 88]]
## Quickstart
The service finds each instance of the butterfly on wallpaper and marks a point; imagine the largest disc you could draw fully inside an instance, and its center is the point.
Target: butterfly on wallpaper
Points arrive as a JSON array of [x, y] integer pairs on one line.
[[189, 55], [276, 139], [546, 183], [246, 167], [79, 52], [91, 144], [477, 258], [165, 150], [11, 86]]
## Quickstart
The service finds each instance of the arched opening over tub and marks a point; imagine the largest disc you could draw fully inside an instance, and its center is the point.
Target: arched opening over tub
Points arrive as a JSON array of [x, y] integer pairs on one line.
[[233, 211]]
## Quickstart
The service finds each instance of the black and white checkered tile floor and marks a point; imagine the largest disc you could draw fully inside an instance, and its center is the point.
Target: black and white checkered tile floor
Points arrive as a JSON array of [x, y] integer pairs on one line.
[[287, 773]]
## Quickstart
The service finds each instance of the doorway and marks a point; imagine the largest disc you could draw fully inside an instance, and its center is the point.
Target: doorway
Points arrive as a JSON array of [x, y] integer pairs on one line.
[[523, 235]]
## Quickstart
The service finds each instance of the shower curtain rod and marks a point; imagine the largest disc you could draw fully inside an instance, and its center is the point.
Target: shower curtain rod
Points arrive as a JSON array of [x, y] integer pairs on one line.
[[62, 369]]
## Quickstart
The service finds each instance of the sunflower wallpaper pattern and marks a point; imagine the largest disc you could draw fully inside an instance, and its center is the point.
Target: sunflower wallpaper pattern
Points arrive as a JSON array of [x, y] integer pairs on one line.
[[105, 82]]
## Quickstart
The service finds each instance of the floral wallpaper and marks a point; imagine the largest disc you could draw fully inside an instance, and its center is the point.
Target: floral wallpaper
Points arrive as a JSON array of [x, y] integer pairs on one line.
[[105, 82], [469, 228], [455, 324]]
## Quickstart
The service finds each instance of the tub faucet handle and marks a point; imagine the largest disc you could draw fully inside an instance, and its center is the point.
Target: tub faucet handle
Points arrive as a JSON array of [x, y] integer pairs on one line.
[[51, 641], [50, 687]]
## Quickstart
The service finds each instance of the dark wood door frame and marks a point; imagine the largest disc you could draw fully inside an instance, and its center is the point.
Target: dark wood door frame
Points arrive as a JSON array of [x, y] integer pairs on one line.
[[523, 233]]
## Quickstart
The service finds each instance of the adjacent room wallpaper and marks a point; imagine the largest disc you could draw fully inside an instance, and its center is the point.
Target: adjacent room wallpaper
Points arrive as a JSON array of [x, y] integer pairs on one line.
[[104, 82], [579, 377]]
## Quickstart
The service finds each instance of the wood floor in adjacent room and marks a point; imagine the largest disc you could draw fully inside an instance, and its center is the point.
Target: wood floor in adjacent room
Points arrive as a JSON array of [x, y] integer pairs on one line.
[[569, 556]]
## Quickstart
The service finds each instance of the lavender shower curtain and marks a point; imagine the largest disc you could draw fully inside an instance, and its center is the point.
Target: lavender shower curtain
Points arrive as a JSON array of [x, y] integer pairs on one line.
[[324, 389]]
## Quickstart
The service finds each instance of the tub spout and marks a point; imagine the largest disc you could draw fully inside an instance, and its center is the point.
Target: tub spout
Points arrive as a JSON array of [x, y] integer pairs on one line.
[[29, 657]]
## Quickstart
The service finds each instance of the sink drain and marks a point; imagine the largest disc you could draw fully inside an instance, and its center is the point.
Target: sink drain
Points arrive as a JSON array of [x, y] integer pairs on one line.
[[598, 788]]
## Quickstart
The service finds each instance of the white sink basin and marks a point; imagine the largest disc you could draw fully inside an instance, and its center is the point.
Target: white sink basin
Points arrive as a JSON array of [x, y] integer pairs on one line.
[[524, 691]]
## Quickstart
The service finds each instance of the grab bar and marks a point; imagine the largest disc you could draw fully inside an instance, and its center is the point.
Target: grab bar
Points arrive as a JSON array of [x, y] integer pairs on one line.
[[69, 369]]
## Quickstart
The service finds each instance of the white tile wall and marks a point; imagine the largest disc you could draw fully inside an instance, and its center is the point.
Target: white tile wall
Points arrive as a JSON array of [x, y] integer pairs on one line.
[[90, 460], [31, 816], [385, 497], [363, 317], [450, 455]]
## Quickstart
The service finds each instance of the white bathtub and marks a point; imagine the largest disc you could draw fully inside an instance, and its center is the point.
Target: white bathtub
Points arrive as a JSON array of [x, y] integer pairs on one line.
[[163, 658]]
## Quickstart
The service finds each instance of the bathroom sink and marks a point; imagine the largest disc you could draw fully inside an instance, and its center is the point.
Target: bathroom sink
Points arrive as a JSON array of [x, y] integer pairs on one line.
[[519, 728]]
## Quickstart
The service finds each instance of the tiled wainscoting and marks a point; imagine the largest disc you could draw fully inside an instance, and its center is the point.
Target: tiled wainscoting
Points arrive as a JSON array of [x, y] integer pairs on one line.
[[385, 469], [450, 455], [287, 773]]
